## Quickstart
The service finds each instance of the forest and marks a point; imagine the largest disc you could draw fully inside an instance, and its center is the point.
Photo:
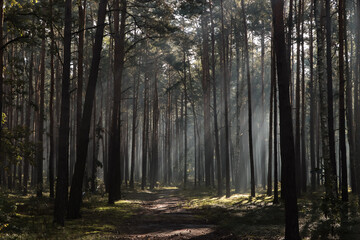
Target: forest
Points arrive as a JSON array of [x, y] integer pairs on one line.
[[180, 119]]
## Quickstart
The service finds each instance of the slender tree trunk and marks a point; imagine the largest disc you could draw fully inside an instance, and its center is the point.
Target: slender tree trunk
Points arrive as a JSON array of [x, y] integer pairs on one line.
[[349, 103], [114, 145], [40, 123], [286, 127], [76, 184], [297, 118], [269, 180], [79, 94], [251, 153], [312, 102], [303, 109], [216, 128], [333, 180], [145, 135], [273, 75], [185, 120], [134, 126], [61, 197], [155, 137], [206, 98], [226, 108], [342, 141], [28, 122], [51, 105], [94, 157]]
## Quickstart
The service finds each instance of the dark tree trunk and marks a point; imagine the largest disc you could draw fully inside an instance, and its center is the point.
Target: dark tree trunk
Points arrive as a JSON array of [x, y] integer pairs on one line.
[[303, 113], [342, 141], [286, 127], [273, 75], [252, 168], [185, 119], [269, 180], [312, 103], [81, 153], [330, 100], [114, 145], [27, 122], [216, 128], [297, 118], [206, 97], [155, 138], [145, 135], [40, 123], [80, 68], [61, 197], [94, 157], [349, 104], [134, 126], [226, 108], [51, 105]]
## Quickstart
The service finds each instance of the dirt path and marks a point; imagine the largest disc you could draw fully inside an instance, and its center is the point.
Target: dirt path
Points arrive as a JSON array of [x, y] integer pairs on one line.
[[162, 217]]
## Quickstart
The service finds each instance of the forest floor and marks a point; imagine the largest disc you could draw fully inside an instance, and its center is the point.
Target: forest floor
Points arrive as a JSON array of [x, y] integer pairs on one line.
[[172, 213]]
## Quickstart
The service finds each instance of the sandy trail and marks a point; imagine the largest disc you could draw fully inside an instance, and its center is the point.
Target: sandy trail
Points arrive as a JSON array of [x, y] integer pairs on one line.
[[162, 217]]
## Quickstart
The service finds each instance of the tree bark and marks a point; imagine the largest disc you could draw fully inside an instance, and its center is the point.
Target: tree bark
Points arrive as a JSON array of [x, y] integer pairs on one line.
[[286, 127], [216, 128], [40, 123], [61, 197], [51, 105], [155, 138], [206, 97], [332, 167], [342, 141], [252, 168], [77, 181], [114, 145]]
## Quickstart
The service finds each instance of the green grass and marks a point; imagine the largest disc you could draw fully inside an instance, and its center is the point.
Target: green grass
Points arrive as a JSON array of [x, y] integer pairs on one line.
[[28, 217], [33, 219]]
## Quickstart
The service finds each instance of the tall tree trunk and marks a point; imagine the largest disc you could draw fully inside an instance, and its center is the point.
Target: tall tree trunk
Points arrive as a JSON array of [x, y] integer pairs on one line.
[[226, 108], [342, 141], [273, 75], [145, 135], [79, 94], [61, 197], [206, 97], [269, 180], [312, 84], [94, 156], [81, 153], [216, 128], [356, 164], [28, 123], [40, 123], [252, 168], [134, 126], [51, 105], [185, 120], [303, 112], [297, 118], [155, 137], [114, 146], [332, 167], [349, 104], [286, 127]]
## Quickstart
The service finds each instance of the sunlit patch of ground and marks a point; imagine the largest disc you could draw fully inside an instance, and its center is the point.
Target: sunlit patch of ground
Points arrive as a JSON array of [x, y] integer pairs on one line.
[[173, 213]]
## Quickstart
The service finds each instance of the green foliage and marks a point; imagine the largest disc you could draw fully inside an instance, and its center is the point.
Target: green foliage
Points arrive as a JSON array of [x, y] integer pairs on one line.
[[15, 145], [7, 209]]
